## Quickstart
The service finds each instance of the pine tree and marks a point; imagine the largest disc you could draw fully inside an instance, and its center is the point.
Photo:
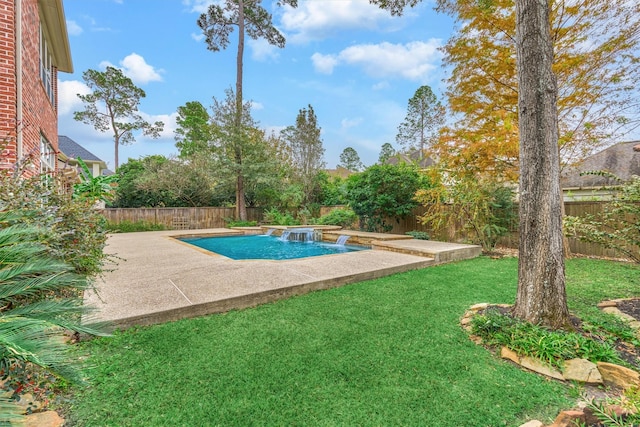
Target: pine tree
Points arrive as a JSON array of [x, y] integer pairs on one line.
[[350, 160], [425, 116], [113, 105], [217, 24], [305, 149]]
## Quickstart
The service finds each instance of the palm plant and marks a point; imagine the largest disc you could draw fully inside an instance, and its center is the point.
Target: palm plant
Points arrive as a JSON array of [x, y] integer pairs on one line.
[[32, 319], [94, 187]]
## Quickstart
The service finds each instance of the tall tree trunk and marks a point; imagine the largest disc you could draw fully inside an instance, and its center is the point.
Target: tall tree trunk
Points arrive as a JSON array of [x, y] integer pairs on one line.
[[115, 168], [422, 126], [241, 208], [116, 136], [541, 296]]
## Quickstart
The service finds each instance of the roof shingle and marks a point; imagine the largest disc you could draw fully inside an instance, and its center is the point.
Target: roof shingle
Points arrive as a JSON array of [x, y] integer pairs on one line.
[[74, 150], [621, 160]]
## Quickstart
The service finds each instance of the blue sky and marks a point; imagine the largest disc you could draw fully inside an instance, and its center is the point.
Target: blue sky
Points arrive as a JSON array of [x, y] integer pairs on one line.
[[354, 63]]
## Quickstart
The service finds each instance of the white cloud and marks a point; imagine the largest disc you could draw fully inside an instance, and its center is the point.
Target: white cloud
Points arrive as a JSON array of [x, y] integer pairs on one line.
[[93, 24], [197, 37], [412, 61], [169, 121], [198, 6], [136, 68], [274, 129], [349, 123], [314, 20], [324, 63], [68, 100], [261, 50], [73, 28], [381, 85], [256, 106]]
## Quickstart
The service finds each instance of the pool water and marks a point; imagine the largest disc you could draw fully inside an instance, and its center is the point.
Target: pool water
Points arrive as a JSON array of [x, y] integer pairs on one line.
[[267, 247]]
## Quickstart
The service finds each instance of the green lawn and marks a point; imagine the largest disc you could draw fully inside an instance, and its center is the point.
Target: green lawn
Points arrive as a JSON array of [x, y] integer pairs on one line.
[[383, 352]]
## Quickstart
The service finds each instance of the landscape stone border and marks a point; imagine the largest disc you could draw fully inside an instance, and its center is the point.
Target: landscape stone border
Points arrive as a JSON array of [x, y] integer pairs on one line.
[[611, 307], [579, 370]]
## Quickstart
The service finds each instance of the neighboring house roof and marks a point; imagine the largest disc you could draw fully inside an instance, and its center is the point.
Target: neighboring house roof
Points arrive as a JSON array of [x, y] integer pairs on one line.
[[73, 150], [69, 151], [52, 13], [339, 171], [412, 157], [621, 160]]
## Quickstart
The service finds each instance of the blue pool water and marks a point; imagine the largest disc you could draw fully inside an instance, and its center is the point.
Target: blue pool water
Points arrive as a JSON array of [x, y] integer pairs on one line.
[[267, 247]]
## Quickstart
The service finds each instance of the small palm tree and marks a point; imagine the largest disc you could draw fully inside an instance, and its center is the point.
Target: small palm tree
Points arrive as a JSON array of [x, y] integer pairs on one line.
[[94, 187], [32, 319]]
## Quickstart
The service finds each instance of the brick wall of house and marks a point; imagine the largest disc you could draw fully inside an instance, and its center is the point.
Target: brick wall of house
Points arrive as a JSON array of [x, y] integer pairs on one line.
[[7, 83], [39, 116]]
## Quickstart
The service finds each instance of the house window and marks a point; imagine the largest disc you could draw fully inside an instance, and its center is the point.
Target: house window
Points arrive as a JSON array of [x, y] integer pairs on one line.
[[47, 156], [46, 66]]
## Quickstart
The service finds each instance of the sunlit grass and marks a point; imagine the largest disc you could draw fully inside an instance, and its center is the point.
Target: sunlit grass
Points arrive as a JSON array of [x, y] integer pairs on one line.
[[383, 352]]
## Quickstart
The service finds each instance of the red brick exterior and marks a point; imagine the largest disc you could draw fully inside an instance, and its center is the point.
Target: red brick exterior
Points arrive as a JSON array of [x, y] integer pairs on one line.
[[39, 115], [8, 89]]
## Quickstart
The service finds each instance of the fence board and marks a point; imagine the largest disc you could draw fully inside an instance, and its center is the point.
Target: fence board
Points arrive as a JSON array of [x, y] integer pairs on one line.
[[179, 218]]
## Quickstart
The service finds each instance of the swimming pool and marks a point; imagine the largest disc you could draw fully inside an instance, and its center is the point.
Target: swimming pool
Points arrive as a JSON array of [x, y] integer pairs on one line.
[[267, 247]]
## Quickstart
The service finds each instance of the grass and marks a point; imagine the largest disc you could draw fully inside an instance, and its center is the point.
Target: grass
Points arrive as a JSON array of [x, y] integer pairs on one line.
[[383, 352]]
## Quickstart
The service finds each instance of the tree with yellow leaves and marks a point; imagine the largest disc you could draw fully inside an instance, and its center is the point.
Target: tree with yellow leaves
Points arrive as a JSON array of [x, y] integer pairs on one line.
[[596, 62]]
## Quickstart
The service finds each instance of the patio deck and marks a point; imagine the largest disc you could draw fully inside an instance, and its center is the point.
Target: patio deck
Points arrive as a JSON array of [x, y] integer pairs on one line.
[[160, 279]]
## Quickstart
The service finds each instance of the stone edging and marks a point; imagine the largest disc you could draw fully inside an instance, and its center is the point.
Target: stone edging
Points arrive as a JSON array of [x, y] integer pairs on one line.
[[580, 370], [611, 307]]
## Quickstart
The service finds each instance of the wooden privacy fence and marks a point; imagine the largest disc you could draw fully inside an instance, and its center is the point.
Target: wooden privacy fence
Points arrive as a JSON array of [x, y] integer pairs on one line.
[[179, 218], [579, 209], [511, 240]]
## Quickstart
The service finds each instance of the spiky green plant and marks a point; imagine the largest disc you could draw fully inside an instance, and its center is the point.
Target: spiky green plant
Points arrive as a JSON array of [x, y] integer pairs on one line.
[[94, 187], [32, 319]]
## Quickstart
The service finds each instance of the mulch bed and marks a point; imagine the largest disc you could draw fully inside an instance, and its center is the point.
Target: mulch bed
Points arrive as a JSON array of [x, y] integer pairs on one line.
[[630, 307]]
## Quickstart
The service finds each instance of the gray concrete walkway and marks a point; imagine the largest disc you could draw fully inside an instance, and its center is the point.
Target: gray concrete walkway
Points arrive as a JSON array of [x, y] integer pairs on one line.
[[160, 279]]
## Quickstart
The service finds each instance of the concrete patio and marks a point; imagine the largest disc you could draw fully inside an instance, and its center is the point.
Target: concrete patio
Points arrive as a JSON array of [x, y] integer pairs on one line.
[[158, 278]]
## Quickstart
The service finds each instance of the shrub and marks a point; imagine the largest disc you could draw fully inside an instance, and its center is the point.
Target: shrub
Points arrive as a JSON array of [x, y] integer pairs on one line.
[[130, 226], [50, 247], [32, 320], [98, 188], [70, 228], [333, 190], [384, 192], [629, 400], [230, 222], [274, 217], [344, 218], [131, 174], [484, 207], [421, 235]]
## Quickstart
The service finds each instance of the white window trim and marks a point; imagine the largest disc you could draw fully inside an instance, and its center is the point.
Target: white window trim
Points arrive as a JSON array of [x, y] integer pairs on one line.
[[46, 66], [48, 158]]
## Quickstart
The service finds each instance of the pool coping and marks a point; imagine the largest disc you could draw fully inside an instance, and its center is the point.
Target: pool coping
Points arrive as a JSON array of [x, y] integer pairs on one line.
[[159, 279]]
